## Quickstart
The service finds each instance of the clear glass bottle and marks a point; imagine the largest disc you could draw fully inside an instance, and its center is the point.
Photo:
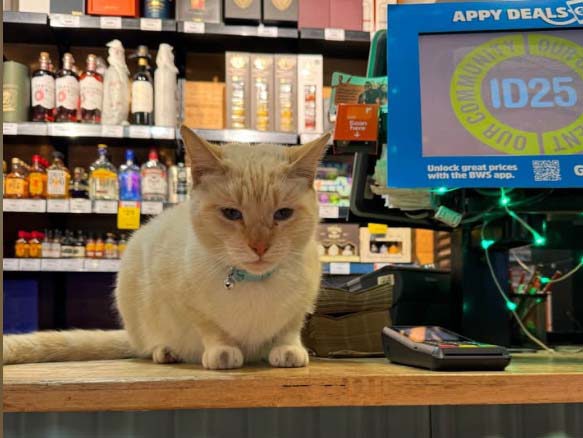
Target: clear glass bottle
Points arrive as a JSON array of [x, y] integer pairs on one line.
[[79, 187], [103, 184], [37, 179], [91, 91], [56, 244], [154, 179], [129, 179], [110, 247], [67, 91], [122, 244], [178, 183], [79, 246], [142, 107], [16, 181], [58, 178], [46, 246], [43, 90], [67, 245]]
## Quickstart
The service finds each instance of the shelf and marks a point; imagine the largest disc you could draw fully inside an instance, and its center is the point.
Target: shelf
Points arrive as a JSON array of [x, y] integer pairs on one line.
[[351, 268], [247, 136], [76, 206], [60, 265], [136, 385], [75, 130], [85, 30]]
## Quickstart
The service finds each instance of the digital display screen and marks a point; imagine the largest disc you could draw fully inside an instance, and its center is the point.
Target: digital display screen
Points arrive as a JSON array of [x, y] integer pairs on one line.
[[429, 333], [502, 93]]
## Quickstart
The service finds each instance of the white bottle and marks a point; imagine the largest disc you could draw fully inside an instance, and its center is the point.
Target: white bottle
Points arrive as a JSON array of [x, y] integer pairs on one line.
[[165, 101], [116, 86]]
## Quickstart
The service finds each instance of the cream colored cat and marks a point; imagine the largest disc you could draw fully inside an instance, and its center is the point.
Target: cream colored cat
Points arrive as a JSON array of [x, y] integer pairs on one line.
[[250, 225]]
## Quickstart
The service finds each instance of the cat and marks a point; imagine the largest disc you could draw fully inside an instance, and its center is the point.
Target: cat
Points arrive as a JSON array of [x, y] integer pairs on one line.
[[223, 279]]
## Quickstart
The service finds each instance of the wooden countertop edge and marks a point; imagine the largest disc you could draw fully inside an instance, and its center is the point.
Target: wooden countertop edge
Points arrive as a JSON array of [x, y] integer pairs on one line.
[[366, 390]]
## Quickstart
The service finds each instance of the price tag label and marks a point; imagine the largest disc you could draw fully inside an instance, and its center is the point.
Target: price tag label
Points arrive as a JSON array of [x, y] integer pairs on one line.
[[62, 129], [193, 27], [334, 34], [92, 265], [33, 128], [30, 264], [151, 24], [74, 265], [152, 208], [50, 265], [11, 264], [80, 206], [64, 20], [34, 205], [110, 265], [163, 132], [137, 131], [12, 204], [110, 22], [380, 229], [128, 215], [105, 207], [329, 211], [112, 130], [58, 205], [340, 268], [267, 31], [10, 128]]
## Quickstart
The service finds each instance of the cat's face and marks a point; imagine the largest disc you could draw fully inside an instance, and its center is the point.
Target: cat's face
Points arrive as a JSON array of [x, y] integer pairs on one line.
[[255, 206]]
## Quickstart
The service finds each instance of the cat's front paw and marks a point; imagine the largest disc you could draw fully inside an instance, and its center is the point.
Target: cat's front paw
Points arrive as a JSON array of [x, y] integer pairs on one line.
[[222, 357], [288, 356]]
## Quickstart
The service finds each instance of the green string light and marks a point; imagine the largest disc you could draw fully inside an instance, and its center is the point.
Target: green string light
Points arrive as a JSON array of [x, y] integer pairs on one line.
[[487, 243], [441, 190], [511, 306], [539, 240]]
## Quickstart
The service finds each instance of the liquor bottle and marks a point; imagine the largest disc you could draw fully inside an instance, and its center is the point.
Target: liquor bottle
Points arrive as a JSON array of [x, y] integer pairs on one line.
[[90, 247], [103, 184], [129, 179], [99, 247], [79, 188], [154, 179], [37, 179], [46, 245], [58, 178], [110, 247], [178, 183], [79, 246], [43, 91], [21, 246], [122, 244], [16, 181], [67, 91], [91, 90], [142, 108], [4, 170], [56, 244], [34, 245], [67, 245]]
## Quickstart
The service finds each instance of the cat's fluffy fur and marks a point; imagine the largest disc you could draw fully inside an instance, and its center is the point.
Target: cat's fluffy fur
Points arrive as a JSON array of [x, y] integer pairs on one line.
[[170, 291]]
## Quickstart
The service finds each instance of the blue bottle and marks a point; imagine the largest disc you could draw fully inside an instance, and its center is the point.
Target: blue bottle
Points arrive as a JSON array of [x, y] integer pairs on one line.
[[129, 179]]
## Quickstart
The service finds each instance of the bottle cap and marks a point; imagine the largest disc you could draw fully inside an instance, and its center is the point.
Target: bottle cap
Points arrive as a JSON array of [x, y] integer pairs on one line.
[[129, 155], [22, 234], [36, 158], [153, 155], [58, 155]]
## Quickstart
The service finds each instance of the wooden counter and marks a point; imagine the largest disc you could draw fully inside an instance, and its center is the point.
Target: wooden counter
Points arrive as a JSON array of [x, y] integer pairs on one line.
[[138, 385]]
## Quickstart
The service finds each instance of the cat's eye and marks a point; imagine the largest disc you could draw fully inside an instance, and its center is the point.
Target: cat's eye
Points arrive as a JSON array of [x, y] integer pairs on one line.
[[232, 214], [283, 214]]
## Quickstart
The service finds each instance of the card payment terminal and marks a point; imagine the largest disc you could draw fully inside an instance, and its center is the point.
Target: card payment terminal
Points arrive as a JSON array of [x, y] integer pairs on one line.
[[436, 348]]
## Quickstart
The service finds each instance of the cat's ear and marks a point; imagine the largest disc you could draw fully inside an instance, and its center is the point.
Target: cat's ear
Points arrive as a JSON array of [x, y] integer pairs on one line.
[[304, 159], [204, 157]]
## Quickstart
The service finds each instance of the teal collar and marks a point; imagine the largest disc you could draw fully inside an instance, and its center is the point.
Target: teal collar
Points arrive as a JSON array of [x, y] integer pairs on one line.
[[237, 275]]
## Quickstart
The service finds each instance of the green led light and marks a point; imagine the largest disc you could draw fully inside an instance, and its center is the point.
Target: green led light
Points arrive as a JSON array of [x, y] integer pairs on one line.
[[504, 200], [487, 243], [545, 280], [511, 306], [539, 240], [441, 190]]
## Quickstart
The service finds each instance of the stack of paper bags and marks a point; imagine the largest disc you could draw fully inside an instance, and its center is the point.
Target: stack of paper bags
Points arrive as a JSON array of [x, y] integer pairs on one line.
[[349, 324]]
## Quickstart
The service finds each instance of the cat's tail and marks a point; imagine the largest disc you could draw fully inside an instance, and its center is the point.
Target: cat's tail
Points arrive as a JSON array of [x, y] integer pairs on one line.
[[70, 345]]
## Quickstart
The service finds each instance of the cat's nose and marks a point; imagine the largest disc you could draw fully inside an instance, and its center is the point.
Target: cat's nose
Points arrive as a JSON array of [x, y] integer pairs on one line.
[[259, 248]]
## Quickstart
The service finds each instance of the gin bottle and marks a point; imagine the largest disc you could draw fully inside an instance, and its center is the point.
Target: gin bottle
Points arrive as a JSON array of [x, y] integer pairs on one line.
[[103, 184], [129, 179], [154, 179]]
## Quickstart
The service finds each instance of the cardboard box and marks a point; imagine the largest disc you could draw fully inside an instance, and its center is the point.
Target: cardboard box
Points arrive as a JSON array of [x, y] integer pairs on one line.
[[281, 12], [381, 13], [238, 90], [346, 14], [424, 247], [204, 105], [368, 10], [122, 8], [242, 10], [338, 242], [73, 7], [310, 101], [209, 11], [286, 87], [262, 113], [40, 6], [314, 14], [392, 246]]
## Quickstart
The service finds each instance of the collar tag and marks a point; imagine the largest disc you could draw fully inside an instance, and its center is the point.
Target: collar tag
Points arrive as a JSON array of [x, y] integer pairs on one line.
[[236, 275]]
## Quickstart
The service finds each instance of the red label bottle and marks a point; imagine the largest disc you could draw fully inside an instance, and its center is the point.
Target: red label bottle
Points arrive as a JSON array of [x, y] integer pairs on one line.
[[67, 91]]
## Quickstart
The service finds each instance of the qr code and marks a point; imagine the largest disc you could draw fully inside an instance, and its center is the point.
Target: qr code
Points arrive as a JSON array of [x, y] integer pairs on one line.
[[546, 170]]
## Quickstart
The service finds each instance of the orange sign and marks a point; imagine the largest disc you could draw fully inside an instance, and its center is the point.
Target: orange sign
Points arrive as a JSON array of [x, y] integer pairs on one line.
[[357, 123]]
